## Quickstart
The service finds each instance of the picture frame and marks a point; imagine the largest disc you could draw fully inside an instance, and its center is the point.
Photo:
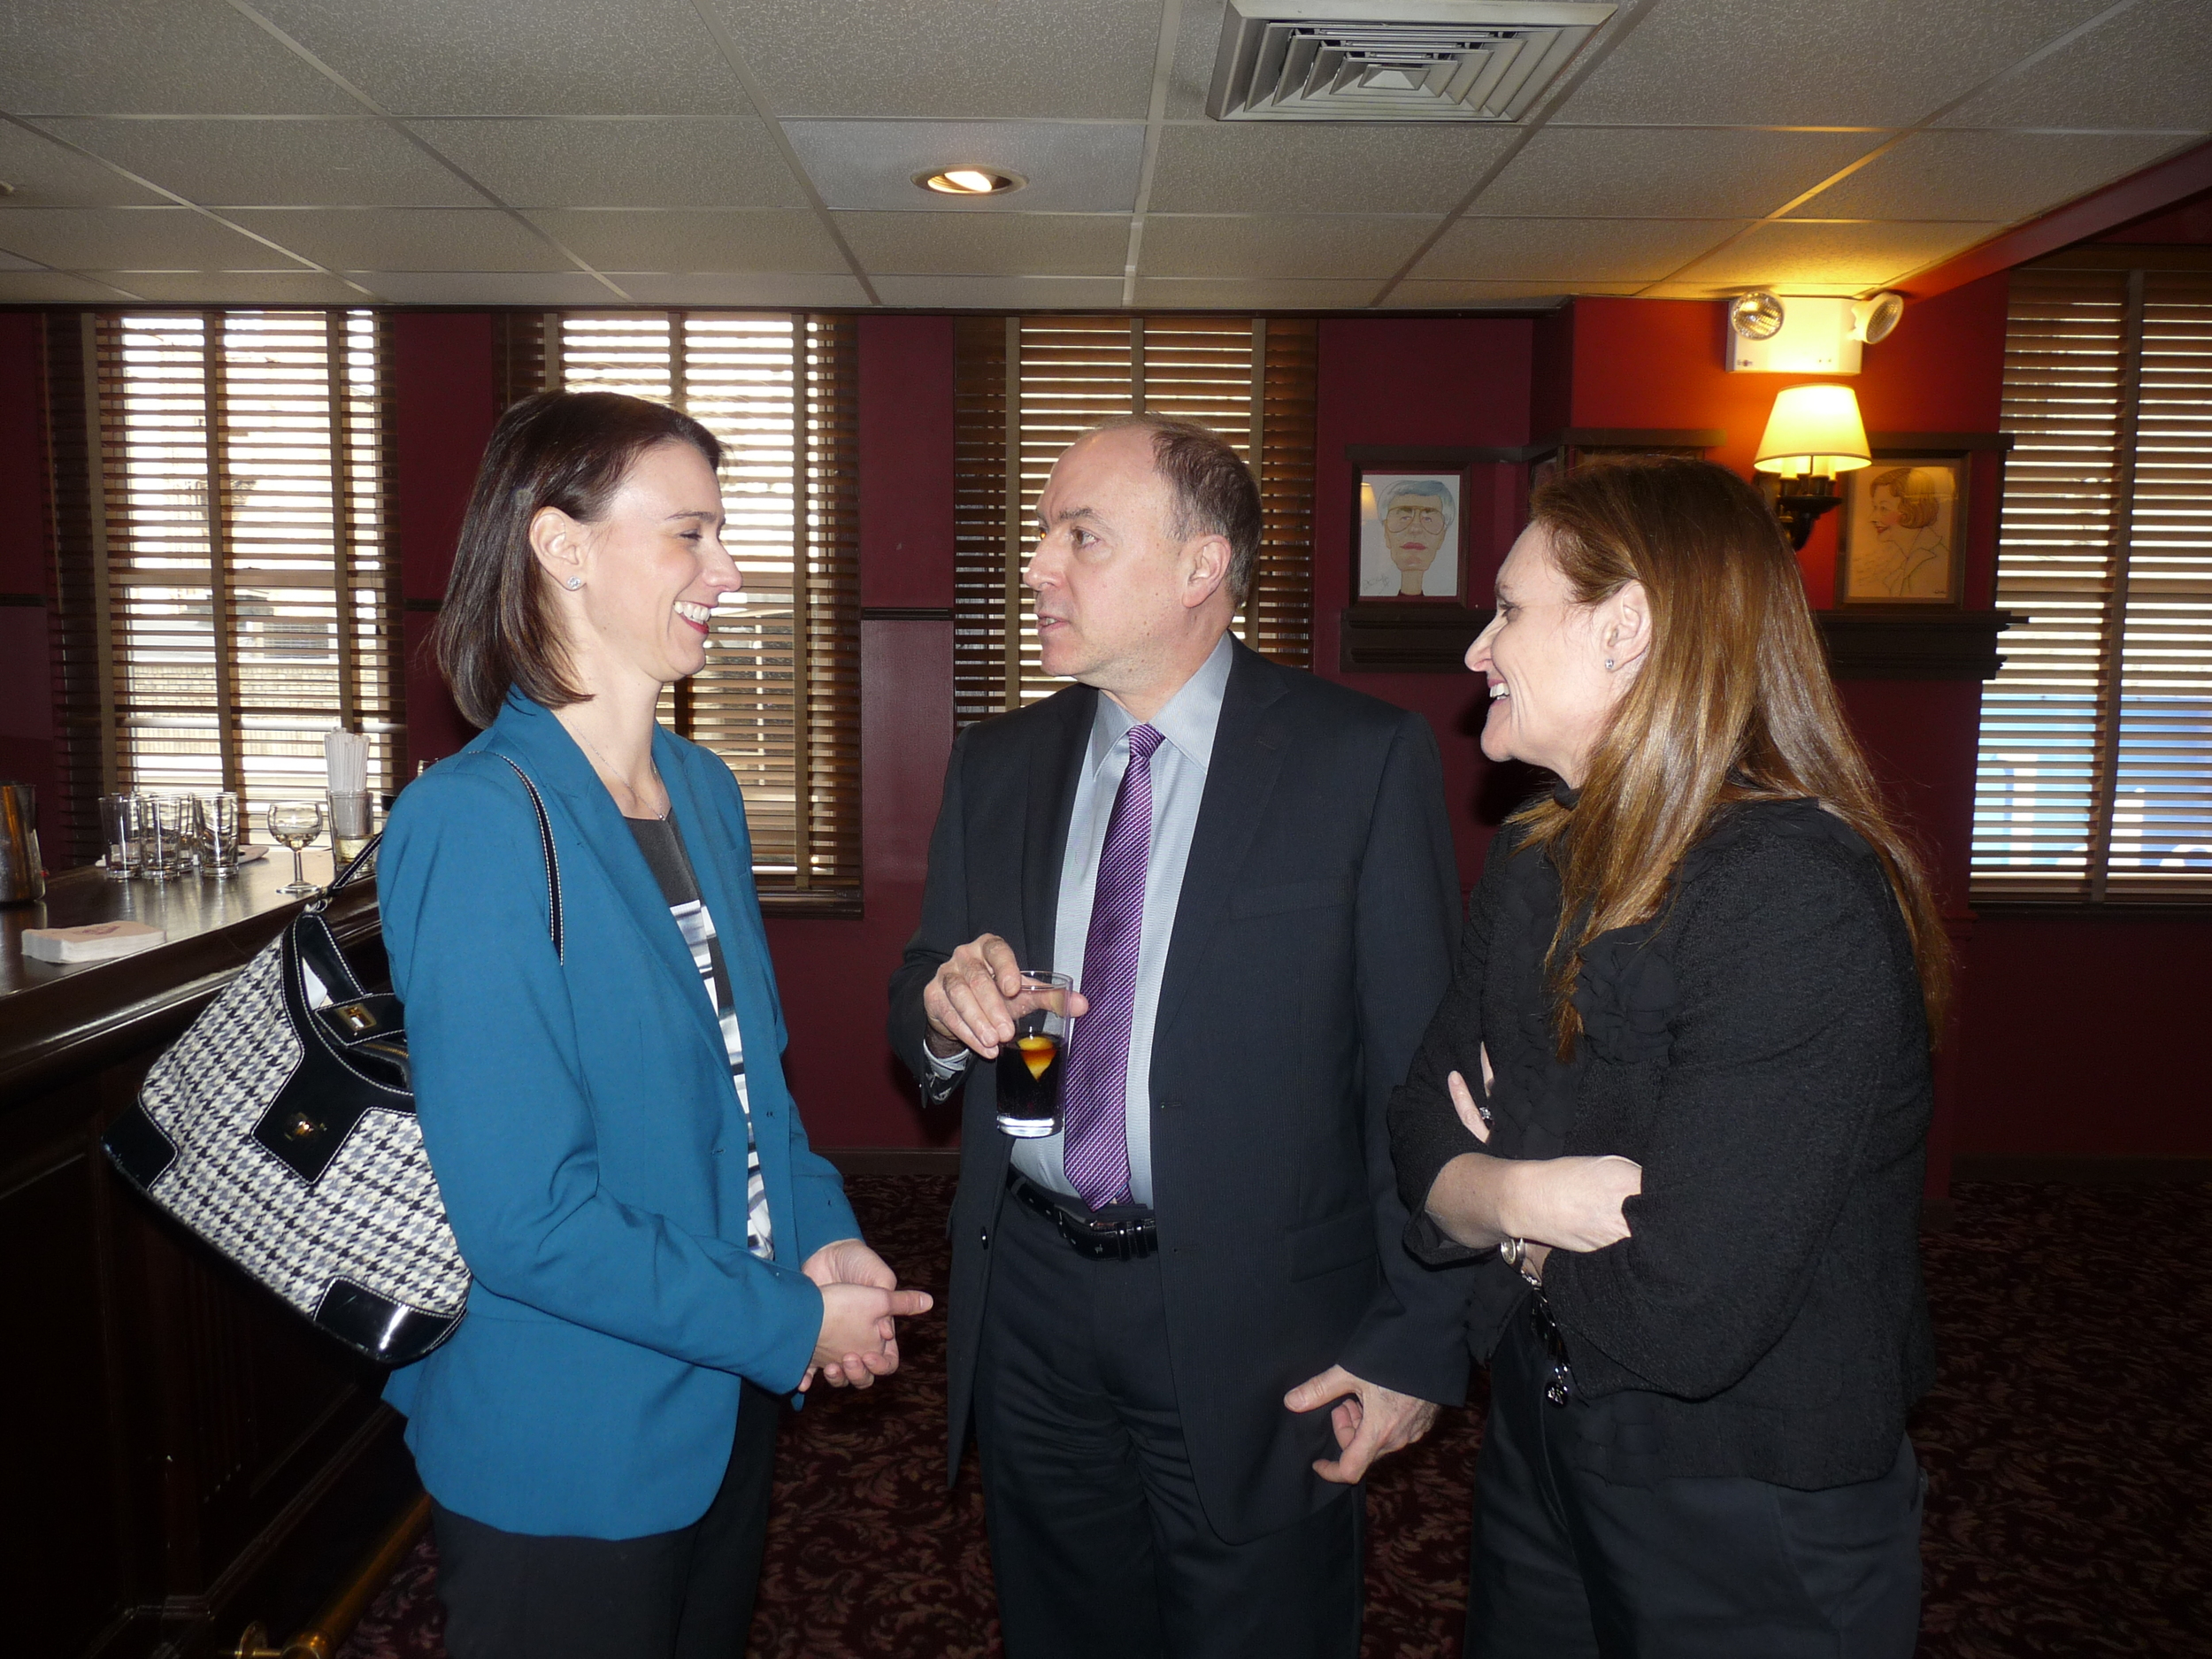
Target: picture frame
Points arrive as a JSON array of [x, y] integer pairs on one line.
[[1902, 543], [1409, 526]]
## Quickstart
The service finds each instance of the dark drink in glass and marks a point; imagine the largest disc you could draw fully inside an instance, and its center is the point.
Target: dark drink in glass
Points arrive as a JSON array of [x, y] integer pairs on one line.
[[1029, 1067]]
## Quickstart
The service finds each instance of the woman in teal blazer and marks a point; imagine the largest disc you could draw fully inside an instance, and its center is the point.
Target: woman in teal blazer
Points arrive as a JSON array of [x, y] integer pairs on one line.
[[657, 1254]]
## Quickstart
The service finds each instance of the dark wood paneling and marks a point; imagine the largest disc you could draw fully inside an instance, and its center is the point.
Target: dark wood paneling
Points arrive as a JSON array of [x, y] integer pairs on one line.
[[179, 1433]]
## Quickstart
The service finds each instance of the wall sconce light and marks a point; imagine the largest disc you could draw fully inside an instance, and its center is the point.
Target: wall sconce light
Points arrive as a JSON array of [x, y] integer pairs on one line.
[[1814, 433]]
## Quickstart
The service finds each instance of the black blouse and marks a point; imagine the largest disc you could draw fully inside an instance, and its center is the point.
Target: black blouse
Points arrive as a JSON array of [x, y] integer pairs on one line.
[[1760, 1050]]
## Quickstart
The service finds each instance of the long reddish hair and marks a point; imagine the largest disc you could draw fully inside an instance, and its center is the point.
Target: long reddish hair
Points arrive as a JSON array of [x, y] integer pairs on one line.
[[1732, 702]]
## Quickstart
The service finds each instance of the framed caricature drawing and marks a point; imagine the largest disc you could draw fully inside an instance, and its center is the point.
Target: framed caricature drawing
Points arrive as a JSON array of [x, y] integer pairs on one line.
[[1904, 532], [1411, 532]]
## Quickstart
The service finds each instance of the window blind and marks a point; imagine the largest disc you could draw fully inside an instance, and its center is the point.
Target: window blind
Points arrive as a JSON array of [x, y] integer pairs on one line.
[[1025, 386], [242, 592], [2096, 775], [779, 697]]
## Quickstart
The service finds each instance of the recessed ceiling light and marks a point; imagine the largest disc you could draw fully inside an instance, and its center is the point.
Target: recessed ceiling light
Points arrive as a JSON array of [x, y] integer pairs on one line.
[[971, 181]]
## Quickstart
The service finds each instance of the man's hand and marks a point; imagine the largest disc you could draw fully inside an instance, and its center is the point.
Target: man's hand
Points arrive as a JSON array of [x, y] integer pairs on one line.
[[976, 996], [1370, 1421], [850, 1262]]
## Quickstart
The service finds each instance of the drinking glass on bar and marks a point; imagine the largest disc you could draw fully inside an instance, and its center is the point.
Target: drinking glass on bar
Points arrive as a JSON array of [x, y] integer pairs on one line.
[[162, 826], [222, 830], [118, 830], [1029, 1067], [294, 823], [348, 825]]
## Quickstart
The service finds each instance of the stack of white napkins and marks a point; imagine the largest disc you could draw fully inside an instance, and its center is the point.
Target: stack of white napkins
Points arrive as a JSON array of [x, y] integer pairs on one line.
[[99, 942]]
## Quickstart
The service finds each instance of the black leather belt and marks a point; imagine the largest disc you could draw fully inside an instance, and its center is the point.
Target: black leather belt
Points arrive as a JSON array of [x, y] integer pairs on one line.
[[1124, 1235]]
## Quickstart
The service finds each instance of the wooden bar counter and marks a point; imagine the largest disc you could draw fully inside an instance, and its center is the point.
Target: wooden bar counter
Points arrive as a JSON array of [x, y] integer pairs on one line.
[[184, 1455]]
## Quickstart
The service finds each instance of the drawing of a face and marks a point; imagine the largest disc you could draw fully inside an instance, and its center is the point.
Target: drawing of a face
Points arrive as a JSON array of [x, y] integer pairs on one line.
[[1883, 507], [1417, 521]]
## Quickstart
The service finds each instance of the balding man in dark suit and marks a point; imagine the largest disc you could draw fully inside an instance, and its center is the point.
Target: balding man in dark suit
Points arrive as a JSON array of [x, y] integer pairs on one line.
[[1186, 1325]]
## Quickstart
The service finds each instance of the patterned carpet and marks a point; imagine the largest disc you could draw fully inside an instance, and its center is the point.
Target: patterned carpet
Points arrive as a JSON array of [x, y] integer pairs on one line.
[[2066, 1447]]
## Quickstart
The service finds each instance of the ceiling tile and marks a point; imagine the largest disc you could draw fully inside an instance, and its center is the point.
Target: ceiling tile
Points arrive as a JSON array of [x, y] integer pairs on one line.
[[33, 288], [1985, 175], [738, 290], [1217, 294], [1307, 246], [276, 164], [1813, 63], [999, 294], [1789, 252], [1459, 295], [488, 287], [496, 57], [1066, 60], [723, 162], [152, 58], [1281, 167], [2151, 66], [1665, 172], [237, 287], [136, 238], [1072, 167], [405, 239], [1570, 250], [990, 244], [48, 175], [691, 239]]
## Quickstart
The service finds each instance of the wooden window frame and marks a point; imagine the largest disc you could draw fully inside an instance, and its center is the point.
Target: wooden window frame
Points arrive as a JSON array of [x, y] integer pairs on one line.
[[2106, 554], [112, 509]]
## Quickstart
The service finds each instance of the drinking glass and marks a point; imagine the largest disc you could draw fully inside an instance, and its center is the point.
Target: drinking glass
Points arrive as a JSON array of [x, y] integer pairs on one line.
[[294, 823], [348, 825], [1029, 1067], [222, 830], [118, 829], [163, 827]]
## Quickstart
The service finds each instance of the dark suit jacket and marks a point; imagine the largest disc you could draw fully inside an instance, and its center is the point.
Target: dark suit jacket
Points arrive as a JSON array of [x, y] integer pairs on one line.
[[1313, 940]]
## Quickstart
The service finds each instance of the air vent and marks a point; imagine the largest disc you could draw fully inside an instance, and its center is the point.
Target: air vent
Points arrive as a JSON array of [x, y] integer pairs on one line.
[[1392, 60]]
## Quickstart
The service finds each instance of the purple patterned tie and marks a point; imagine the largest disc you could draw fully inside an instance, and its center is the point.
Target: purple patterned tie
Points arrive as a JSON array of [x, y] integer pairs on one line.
[[1094, 1091]]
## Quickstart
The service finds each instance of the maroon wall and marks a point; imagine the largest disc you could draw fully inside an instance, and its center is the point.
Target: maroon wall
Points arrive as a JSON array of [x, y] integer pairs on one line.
[[832, 973], [445, 400], [27, 728], [2069, 1039], [1445, 382]]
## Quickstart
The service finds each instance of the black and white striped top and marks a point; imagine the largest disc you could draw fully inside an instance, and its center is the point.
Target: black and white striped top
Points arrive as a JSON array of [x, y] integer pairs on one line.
[[662, 846]]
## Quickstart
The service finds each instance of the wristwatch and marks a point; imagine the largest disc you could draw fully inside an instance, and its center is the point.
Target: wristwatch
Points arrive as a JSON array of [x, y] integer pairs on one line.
[[1511, 1251]]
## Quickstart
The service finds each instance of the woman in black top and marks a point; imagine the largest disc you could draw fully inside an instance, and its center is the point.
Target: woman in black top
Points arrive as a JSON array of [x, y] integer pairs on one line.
[[1672, 1109]]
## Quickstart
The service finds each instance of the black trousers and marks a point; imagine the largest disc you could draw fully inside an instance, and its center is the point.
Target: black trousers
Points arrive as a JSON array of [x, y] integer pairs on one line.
[[1570, 1566], [685, 1594], [1099, 1542]]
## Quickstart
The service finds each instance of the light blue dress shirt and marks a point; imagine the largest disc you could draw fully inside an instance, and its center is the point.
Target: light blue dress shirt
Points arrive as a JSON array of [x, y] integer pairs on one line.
[[1186, 724]]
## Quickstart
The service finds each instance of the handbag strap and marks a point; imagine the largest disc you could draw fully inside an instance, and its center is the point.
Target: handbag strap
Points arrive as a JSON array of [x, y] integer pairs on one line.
[[545, 842]]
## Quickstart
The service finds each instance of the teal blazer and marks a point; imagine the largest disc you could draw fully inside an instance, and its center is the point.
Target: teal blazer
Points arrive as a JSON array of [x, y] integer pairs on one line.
[[587, 1141]]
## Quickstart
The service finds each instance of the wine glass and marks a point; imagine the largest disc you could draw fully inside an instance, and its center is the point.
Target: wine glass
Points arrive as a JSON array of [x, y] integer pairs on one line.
[[296, 823]]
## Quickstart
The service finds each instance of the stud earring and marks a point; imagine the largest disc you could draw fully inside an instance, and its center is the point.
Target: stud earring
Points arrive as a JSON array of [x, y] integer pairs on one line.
[[1609, 661], [574, 583]]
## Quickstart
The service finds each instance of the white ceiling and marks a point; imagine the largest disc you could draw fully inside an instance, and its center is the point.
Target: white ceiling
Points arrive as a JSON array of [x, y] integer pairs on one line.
[[705, 153]]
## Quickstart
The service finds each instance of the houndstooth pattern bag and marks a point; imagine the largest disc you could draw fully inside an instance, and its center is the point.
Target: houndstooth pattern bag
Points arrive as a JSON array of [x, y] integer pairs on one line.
[[280, 1128]]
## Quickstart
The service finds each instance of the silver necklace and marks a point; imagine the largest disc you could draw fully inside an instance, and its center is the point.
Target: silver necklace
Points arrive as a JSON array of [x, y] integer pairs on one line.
[[607, 775]]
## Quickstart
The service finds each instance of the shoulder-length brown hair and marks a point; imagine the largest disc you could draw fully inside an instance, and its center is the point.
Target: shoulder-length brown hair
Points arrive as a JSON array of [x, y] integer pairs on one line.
[[1733, 701], [497, 629]]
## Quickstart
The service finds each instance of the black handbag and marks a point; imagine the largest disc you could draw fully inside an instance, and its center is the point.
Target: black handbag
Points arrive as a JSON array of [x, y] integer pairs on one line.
[[280, 1128]]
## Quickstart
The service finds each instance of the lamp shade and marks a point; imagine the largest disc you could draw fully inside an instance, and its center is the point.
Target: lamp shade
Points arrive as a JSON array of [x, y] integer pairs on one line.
[[1814, 430]]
